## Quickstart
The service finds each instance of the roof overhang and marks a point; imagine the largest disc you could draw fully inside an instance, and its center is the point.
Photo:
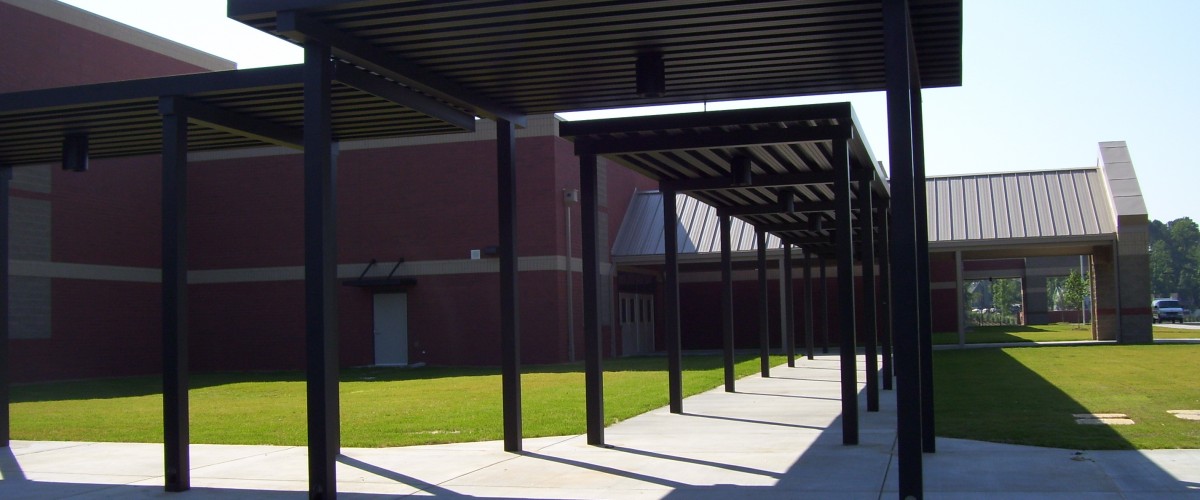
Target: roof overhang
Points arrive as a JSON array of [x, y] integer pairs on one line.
[[773, 168], [509, 59], [1042, 246], [226, 109]]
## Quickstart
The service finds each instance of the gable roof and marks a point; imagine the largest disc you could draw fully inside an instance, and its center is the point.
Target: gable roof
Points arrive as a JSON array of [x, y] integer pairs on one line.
[[1051, 212], [1049, 206]]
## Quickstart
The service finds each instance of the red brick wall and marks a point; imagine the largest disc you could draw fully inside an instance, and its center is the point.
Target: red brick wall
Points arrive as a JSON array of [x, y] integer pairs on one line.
[[434, 202], [41, 52], [109, 215], [101, 329], [700, 309], [991, 264], [945, 310]]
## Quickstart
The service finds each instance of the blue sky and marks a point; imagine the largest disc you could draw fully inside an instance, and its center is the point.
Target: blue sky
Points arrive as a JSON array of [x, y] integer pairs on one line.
[[1044, 81]]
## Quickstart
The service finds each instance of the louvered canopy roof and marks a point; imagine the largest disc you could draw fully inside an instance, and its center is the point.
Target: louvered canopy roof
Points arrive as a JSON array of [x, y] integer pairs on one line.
[[123, 118], [562, 55], [791, 156]]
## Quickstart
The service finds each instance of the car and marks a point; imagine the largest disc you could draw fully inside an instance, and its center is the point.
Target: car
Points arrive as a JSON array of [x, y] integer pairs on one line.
[[1166, 310]]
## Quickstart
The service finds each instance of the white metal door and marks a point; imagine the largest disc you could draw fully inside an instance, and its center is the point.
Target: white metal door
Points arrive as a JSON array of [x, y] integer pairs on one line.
[[391, 329], [645, 323], [637, 323], [629, 331]]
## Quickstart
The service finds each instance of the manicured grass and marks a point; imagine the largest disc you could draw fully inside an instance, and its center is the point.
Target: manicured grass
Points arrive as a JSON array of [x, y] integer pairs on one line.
[[1027, 395], [379, 407], [1018, 333], [1166, 332], [1046, 333]]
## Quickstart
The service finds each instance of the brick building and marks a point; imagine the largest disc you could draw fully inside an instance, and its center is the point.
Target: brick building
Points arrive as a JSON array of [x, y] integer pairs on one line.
[[416, 235], [416, 230]]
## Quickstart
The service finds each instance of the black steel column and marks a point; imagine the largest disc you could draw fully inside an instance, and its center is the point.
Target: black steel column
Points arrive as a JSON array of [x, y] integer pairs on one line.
[[845, 269], [510, 335], [824, 307], [727, 303], [174, 303], [903, 243], [808, 303], [671, 307], [320, 272], [5, 376], [923, 297], [593, 371], [764, 330], [788, 328], [885, 299], [866, 219]]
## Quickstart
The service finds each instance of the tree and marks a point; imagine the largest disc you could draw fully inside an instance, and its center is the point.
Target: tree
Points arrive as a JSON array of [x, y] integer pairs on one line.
[[1005, 293], [1163, 277], [1074, 290], [1054, 300], [1175, 259]]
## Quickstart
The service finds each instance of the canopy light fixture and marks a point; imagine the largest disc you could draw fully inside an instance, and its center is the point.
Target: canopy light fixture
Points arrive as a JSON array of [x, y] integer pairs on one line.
[[75, 152], [651, 75], [740, 170]]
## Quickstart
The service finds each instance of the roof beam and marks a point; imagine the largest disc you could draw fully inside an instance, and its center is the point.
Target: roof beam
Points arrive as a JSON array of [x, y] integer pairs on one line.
[[808, 241], [300, 27], [789, 226], [757, 181], [232, 122], [839, 111], [403, 96], [776, 208], [710, 139], [150, 88]]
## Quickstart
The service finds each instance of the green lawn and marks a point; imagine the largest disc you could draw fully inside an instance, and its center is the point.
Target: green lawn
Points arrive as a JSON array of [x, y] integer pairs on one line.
[[1027, 395], [1018, 333], [1166, 332], [1045, 333], [379, 407]]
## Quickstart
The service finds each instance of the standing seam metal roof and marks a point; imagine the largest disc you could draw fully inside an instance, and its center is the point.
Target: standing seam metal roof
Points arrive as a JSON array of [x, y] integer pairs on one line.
[[641, 232], [1058, 204]]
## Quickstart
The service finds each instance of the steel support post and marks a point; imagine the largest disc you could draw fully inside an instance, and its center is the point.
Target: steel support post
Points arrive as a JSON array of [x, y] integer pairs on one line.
[[727, 303], [671, 297], [928, 441], [866, 219], [5, 376], [903, 245], [808, 303], [593, 371], [510, 335], [320, 272], [846, 325], [885, 299], [788, 329], [764, 317], [174, 303], [824, 307]]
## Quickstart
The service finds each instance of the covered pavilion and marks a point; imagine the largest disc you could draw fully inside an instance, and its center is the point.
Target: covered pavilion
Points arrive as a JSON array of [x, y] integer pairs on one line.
[[368, 60]]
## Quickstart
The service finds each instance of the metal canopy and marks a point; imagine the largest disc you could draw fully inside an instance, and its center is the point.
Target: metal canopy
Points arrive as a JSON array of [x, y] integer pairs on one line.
[[783, 170], [789, 190], [227, 109], [501, 58]]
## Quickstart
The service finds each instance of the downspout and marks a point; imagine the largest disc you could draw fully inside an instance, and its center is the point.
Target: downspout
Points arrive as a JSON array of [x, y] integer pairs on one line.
[[570, 197]]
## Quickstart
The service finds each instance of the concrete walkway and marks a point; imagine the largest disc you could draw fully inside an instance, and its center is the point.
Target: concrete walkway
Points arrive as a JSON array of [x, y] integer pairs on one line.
[[776, 438]]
